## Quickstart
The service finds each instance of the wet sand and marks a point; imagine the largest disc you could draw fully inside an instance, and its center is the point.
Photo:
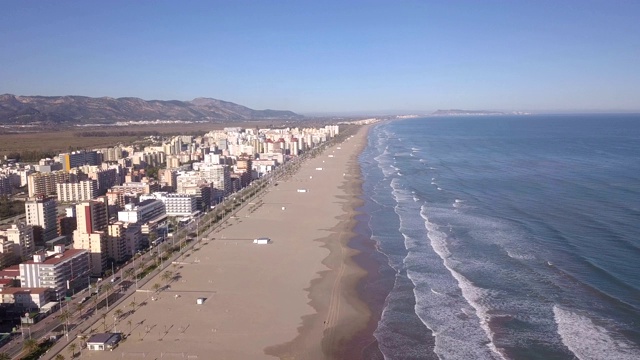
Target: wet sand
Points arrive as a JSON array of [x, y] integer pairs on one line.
[[295, 298]]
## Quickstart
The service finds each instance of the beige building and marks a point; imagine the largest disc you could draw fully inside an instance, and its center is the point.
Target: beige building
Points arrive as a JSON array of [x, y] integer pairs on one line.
[[91, 233], [9, 253], [116, 242], [21, 234]]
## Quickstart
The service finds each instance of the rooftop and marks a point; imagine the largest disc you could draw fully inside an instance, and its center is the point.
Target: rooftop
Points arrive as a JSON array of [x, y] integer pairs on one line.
[[58, 258]]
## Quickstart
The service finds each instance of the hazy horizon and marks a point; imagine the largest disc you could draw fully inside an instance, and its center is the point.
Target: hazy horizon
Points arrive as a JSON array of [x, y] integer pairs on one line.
[[330, 57]]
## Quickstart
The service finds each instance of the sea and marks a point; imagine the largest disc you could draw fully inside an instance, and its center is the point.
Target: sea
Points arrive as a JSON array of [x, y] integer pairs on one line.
[[506, 237]]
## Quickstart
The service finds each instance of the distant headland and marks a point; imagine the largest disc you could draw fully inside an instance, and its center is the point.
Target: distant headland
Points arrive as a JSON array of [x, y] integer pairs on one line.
[[457, 112]]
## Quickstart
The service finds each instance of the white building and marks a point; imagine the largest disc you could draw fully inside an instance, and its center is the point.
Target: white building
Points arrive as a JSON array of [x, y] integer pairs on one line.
[[25, 298], [43, 212], [179, 204], [80, 191], [143, 212], [61, 271]]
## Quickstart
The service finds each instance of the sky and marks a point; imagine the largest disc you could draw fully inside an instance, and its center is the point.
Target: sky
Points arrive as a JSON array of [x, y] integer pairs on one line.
[[334, 57]]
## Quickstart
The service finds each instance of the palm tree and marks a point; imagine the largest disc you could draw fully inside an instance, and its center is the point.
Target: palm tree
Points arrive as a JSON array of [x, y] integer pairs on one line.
[[59, 357], [72, 349], [64, 317], [166, 276], [129, 272], [129, 323], [104, 321], [118, 313], [30, 345], [106, 288], [156, 286]]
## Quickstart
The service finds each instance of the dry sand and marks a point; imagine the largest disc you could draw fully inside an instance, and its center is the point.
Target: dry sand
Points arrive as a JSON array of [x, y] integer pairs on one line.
[[294, 298]]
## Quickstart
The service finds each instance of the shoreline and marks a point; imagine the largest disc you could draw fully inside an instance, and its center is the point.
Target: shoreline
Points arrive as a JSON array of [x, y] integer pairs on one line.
[[337, 332], [294, 298]]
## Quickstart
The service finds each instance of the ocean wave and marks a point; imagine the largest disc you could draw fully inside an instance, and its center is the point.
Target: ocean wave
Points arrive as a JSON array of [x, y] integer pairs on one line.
[[471, 293], [587, 341]]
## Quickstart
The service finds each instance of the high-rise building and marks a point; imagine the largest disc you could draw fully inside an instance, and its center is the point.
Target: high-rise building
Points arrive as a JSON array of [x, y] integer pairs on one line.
[[92, 221], [21, 234], [117, 248], [79, 191], [218, 175], [143, 212], [179, 204], [64, 271], [42, 212], [78, 158], [5, 185], [9, 252], [44, 184], [91, 216]]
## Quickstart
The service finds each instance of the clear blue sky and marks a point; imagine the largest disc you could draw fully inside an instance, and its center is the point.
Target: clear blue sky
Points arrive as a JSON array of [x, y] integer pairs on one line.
[[330, 56]]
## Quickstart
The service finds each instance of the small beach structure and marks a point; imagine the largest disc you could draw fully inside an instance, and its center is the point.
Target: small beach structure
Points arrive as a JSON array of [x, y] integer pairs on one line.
[[262, 241], [200, 301], [104, 341], [302, 190]]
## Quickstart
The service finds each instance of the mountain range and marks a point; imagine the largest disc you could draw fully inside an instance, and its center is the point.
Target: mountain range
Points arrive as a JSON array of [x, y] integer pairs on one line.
[[71, 110]]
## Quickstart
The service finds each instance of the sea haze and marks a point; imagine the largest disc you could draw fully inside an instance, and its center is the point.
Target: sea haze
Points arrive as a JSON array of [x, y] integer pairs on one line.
[[512, 237]]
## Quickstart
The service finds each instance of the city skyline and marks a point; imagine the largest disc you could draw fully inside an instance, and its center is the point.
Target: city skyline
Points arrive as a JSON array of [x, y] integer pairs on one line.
[[330, 57]]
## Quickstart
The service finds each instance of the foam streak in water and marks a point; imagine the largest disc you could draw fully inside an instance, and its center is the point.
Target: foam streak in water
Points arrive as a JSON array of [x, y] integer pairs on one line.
[[589, 341]]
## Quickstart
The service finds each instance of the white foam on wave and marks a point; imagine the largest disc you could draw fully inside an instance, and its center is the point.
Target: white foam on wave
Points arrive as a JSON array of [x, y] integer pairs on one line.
[[439, 188], [519, 256], [471, 293], [587, 340]]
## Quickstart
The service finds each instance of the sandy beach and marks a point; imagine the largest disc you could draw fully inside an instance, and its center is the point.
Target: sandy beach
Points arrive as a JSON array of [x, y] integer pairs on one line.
[[294, 298]]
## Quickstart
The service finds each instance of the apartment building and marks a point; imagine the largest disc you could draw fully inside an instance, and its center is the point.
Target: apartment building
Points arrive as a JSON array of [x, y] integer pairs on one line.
[[60, 270], [42, 212]]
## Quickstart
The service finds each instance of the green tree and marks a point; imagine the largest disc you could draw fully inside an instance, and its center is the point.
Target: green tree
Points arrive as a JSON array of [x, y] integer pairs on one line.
[[64, 318], [156, 287], [166, 276], [72, 349], [129, 273], [132, 305], [118, 313], [5, 356], [30, 345], [59, 357]]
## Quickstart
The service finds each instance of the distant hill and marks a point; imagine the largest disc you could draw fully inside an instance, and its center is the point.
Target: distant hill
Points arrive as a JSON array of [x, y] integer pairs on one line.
[[467, 112], [83, 110]]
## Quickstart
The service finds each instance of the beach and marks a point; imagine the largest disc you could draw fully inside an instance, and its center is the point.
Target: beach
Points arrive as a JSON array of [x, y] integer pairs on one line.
[[293, 298]]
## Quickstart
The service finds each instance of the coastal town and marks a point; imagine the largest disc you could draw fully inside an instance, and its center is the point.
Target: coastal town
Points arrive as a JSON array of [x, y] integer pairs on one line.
[[105, 231]]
